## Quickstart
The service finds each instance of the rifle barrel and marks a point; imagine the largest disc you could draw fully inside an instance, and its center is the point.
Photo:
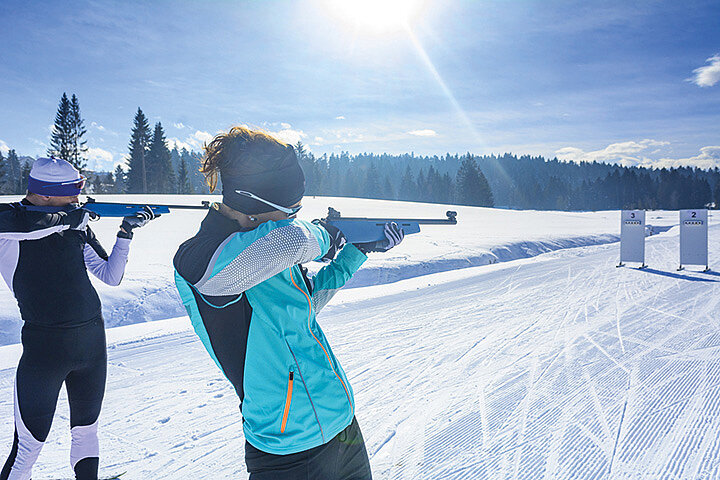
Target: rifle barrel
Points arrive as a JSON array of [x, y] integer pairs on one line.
[[450, 220], [383, 221], [205, 204]]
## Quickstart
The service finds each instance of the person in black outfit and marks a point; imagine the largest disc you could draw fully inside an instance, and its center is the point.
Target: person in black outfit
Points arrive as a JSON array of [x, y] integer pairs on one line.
[[46, 249]]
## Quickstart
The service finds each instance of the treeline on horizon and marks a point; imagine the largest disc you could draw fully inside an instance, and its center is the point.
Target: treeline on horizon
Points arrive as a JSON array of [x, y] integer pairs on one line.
[[509, 181], [523, 182]]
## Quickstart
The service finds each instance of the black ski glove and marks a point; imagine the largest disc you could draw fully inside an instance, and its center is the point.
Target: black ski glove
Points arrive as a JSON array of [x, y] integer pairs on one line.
[[337, 240], [77, 219], [138, 220], [393, 236]]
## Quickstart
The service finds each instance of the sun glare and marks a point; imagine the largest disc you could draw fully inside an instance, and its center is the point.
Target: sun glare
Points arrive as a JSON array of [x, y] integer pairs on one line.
[[375, 15]]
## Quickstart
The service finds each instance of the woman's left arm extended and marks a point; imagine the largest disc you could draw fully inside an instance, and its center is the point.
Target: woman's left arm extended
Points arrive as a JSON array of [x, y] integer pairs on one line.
[[108, 268]]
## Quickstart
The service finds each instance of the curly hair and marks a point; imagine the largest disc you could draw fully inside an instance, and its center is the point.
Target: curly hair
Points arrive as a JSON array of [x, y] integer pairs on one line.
[[241, 149]]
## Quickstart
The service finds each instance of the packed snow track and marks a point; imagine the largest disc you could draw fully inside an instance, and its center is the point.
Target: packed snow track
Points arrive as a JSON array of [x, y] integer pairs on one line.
[[559, 366]]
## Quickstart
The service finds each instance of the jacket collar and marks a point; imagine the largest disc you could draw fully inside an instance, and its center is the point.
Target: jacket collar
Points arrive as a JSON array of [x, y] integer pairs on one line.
[[218, 224]]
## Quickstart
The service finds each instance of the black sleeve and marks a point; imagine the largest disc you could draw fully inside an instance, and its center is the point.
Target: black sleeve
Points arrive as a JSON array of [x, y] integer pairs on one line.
[[20, 224]]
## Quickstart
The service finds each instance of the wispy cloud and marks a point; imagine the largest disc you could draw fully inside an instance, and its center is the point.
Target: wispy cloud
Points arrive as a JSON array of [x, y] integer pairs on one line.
[[340, 117], [640, 154], [624, 153], [179, 125], [708, 75], [97, 126], [100, 160], [288, 134], [709, 157], [39, 143], [196, 141], [424, 133]]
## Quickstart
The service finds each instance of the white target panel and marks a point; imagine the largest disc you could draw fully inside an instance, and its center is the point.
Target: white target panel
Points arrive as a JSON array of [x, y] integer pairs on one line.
[[632, 236], [693, 237]]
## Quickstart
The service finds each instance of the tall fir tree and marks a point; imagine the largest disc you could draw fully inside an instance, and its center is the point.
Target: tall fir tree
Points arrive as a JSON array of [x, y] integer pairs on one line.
[[78, 145], [137, 174], [119, 180], [160, 174], [421, 188], [486, 195], [15, 174], [702, 194], [407, 185], [183, 182], [388, 190], [61, 139], [24, 174], [372, 183], [472, 186], [301, 151], [5, 184]]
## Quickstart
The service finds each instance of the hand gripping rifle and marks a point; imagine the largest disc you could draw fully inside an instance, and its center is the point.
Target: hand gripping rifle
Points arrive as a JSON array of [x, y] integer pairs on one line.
[[362, 230]]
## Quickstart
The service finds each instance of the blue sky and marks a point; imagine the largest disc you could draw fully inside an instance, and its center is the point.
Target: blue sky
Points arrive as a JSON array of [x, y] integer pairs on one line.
[[616, 81]]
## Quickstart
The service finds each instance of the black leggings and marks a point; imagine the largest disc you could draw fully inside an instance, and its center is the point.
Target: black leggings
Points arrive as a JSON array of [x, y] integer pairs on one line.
[[76, 356], [342, 458]]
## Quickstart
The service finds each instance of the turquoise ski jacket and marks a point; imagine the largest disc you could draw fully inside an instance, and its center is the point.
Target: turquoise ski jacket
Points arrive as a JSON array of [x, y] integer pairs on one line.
[[254, 308]]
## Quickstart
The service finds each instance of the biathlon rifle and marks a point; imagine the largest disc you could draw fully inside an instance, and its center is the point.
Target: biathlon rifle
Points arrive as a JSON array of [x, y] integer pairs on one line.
[[115, 209], [112, 209], [362, 230]]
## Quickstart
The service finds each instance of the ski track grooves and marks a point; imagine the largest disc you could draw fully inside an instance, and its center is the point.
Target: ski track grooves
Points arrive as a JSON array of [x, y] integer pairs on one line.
[[559, 367]]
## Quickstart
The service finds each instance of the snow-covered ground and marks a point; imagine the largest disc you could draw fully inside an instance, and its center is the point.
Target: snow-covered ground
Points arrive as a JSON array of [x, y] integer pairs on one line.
[[555, 366], [482, 236]]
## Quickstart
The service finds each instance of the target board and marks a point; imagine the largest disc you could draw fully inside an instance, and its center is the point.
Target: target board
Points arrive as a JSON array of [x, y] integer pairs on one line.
[[693, 237], [632, 236]]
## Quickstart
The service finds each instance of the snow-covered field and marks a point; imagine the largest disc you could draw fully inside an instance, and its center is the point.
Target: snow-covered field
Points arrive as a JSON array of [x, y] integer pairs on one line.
[[482, 236], [554, 365]]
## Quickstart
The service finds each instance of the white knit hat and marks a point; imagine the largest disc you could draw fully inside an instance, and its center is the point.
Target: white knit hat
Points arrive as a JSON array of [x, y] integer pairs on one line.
[[54, 177]]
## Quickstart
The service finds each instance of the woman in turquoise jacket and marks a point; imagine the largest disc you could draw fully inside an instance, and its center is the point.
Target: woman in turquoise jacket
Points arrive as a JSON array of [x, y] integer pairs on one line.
[[253, 306]]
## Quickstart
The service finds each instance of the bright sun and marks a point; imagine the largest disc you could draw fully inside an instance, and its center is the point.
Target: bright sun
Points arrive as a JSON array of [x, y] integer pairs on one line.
[[377, 15]]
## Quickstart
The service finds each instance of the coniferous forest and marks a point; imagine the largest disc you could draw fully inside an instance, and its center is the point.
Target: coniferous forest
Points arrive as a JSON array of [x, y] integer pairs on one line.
[[507, 180]]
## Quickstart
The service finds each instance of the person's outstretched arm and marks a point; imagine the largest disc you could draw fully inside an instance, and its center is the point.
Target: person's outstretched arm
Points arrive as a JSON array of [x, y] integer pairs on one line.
[[111, 268], [349, 258], [249, 258]]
